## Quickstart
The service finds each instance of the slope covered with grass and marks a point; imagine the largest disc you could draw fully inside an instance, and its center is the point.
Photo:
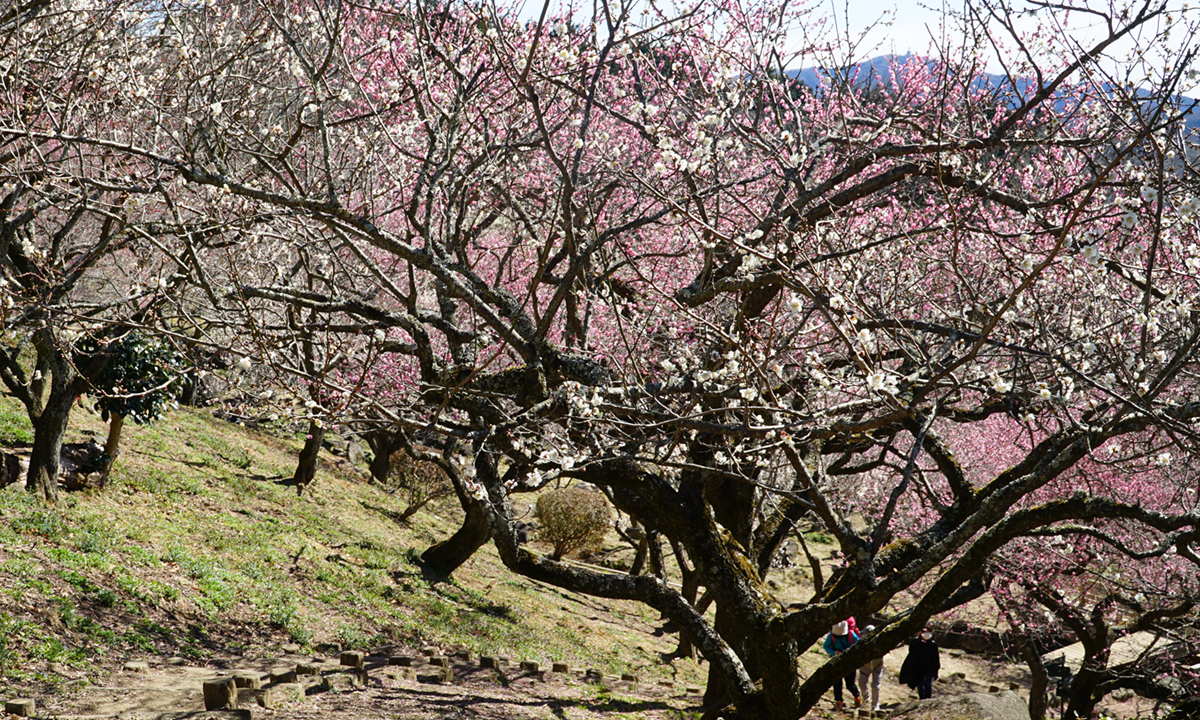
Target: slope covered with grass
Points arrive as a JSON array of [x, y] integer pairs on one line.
[[196, 550]]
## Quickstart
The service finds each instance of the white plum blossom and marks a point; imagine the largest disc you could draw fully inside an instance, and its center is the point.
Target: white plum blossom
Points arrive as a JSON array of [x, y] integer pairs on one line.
[[243, 364]]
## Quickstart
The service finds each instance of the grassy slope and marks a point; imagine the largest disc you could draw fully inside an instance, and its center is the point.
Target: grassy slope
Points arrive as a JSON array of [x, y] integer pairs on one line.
[[195, 550]]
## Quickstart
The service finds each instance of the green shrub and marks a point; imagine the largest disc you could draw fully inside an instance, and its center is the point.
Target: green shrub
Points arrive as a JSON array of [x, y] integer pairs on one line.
[[572, 518]]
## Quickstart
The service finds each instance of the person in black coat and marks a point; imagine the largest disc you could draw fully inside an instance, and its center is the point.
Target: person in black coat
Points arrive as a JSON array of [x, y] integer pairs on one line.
[[921, 666]]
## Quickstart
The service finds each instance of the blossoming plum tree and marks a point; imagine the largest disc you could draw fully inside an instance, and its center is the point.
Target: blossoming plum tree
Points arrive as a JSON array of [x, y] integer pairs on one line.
[[635, 250], [76, 242]]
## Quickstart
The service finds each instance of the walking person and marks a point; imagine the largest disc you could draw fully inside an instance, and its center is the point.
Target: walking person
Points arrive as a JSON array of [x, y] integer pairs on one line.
[[840, 638], [921, 666], [871, 673]]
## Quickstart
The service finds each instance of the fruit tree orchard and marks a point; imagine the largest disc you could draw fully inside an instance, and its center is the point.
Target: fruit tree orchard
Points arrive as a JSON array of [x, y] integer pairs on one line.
[[635, 250]]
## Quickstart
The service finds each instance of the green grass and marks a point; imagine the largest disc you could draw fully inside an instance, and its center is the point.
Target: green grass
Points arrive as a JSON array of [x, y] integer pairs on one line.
[[193, 541], [15, 428]]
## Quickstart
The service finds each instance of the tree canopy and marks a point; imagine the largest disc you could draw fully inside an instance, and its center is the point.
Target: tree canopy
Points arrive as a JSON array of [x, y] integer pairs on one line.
[[635, 250]]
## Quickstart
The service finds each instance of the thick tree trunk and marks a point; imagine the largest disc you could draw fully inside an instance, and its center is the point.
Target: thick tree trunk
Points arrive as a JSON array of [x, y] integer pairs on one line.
[[1040, 680], [447, 556], [383, 444], [48, 432], [112, 446], [306, 468], [716, 692], [1083, 694], [50, 425]]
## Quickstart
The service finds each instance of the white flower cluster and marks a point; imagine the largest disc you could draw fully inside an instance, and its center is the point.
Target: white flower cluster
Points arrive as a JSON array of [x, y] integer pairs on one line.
[[882, 381]]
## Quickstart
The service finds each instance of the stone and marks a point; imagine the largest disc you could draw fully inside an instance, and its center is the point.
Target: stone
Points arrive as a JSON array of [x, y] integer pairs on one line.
[[263, 697], [465, 656], [10, 469], [629, 677], [240, 714], [283, 674], [487, 661], [329, 648], [137, 666], [530, 666], [993, 688], [401, 660], [288, 692], [175, 660], [403, 673], [439, 675], [440, 661], [308, 668], [220, 694], [352, 658], [1121, 694], [430, 651], [247, 679], [291, 649], [344, 681], [21, 707], [1004, 705], [560, 667], [693, 691]]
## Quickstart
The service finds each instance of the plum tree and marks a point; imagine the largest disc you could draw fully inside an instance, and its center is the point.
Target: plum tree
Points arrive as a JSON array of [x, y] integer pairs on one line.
[[636, 250]]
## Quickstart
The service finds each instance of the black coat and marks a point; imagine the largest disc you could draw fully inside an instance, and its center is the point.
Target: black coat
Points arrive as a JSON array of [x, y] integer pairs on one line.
[[922, 660]]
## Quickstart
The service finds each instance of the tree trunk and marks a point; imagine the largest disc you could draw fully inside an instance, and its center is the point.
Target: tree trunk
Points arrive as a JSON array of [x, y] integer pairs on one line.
[[1040, 680], [447, 556], [717, 692], [112, 446], [50, 425], [48, 432], [306, 468], [383, 444], [1083, 693]]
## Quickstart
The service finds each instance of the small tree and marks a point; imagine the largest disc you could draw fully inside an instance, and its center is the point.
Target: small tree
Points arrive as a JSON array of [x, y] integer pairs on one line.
[[140, 381], [572, 518]]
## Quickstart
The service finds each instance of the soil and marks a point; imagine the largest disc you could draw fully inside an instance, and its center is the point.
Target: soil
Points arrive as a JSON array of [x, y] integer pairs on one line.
[[170, 685]]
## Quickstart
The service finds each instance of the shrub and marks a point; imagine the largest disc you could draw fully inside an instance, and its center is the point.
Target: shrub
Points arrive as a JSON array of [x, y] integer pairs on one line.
[[416, 482], [572, 518]]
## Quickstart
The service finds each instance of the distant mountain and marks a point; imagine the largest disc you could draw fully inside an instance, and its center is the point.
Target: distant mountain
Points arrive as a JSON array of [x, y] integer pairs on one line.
[[878, 69]]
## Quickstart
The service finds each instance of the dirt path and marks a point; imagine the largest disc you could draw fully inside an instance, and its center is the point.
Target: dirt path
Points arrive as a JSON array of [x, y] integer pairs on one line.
[[507, 693]]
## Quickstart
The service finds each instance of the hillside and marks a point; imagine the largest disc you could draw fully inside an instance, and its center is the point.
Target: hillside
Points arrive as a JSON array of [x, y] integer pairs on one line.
[[196, 551], [197, 560]]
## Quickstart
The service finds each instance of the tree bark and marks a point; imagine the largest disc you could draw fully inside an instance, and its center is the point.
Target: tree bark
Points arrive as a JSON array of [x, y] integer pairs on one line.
[[1083, 693], [306, 468], [50, 425], [48, 432], [112, 446], [383, 444], [447, 556], [1040, 680]]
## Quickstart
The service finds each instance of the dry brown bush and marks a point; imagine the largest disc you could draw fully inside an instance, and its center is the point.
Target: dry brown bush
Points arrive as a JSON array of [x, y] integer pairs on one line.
[[572, 518]]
